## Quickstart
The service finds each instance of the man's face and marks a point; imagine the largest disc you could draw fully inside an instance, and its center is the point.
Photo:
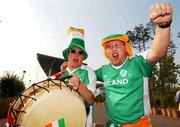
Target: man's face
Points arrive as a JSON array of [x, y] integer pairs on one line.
[[75, 58], [115, 52]]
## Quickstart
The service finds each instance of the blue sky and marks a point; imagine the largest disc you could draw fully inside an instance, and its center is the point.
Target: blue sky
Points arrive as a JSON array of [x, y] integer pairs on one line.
[[29, 27]]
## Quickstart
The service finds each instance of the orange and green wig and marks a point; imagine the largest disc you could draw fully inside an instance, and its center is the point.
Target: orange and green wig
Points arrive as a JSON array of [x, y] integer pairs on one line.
[[121, 37]]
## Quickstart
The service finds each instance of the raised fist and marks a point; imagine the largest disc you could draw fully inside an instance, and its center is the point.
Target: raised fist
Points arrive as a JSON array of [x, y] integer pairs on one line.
[[160, 13]]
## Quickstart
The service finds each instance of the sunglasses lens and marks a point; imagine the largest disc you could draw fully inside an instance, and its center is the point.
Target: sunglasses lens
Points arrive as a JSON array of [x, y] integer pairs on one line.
[[76, 52], [73, 51], [80, 52]]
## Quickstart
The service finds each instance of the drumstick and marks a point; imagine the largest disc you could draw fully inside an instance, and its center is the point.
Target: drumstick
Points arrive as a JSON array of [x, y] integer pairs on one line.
[[57, 75]]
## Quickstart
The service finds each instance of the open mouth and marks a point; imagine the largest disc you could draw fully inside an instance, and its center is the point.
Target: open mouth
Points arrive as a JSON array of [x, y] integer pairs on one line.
[[75, 60], [115, 55]]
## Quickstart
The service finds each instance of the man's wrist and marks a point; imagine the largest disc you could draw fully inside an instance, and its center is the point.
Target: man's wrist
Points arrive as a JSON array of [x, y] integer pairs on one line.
[[79, 86], [165, 25]]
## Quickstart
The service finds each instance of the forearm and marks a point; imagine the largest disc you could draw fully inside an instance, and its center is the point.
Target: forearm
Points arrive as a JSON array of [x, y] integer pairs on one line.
[[85, 93], [78, 85], [160, 15], [160, 45]]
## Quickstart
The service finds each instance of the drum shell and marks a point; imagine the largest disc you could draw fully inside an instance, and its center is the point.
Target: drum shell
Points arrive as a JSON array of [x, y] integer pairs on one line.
[[50, 103]]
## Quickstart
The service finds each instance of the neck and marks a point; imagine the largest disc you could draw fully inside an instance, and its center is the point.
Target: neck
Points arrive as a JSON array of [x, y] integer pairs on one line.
[[72, 67], [120, 62]]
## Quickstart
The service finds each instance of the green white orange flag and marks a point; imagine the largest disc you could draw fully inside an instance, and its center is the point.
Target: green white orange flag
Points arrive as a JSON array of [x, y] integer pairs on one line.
[[57, 123]]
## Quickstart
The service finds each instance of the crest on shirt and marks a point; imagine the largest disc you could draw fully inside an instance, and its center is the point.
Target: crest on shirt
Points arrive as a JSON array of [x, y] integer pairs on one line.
[[123, 73]]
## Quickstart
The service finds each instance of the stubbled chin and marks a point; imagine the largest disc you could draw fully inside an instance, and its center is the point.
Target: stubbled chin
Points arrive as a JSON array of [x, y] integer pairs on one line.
[[115, 60]]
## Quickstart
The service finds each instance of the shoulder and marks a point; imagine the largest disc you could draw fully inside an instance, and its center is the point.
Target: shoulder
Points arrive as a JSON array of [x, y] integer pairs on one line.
[[138, 57], [87, 68], [143, 54], [103, 68], [106, 66]]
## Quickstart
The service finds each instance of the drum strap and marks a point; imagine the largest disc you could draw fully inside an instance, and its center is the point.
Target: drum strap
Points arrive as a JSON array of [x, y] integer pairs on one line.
[[87, 106]]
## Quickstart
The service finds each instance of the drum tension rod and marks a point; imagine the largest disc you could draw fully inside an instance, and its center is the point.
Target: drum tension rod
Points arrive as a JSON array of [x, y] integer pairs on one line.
[[15, 117], [56, 83], [41, 87], [28, 97], [18, 110], [65, 83], [50, 80]]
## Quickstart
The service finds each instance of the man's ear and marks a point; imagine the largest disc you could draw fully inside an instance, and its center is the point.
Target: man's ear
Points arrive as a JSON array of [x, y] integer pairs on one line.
[[67, 56], [105, 53]]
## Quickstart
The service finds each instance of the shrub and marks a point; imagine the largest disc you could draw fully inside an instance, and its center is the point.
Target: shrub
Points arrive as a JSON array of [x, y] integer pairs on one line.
[[10, 85]]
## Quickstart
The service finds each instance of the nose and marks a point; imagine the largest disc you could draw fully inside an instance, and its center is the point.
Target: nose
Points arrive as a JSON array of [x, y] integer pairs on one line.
[[76, 54], [114, 48]]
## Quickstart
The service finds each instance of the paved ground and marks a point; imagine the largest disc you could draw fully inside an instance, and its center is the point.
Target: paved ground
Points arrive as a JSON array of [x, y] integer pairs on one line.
[[164, 121], [156, 120]]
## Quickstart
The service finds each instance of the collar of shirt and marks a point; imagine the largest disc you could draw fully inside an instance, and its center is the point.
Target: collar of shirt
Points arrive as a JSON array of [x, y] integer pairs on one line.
[[117, 67], [71, 71]]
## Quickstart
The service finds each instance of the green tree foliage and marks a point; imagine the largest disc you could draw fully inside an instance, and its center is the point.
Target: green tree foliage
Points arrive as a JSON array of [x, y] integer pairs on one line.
[[10, 85], [167, 76], [178, 66], [153, 79], [178, 35], [164, 76], [140, 36]]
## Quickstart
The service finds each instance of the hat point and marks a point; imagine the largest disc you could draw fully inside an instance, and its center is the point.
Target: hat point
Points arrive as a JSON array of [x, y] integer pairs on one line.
[[76, 39]]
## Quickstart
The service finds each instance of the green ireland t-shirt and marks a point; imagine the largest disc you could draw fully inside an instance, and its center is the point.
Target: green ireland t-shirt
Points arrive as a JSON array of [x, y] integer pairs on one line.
[[81, 73], [123, 87]]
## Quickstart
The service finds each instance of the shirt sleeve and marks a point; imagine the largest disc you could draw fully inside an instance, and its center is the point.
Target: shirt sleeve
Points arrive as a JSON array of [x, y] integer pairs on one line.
[[144, 66], [92, 79], [99, 75]]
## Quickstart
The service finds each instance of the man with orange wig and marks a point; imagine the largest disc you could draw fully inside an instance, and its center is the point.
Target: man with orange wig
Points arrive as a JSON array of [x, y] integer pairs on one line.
[[123, 78]]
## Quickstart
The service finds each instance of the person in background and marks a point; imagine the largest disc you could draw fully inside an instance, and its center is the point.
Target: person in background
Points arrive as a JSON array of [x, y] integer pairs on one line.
[[123, 78], [177, 100], [83, 77]]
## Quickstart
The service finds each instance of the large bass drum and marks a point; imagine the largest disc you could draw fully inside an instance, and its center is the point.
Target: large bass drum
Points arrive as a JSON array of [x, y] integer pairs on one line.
[[46, 103]]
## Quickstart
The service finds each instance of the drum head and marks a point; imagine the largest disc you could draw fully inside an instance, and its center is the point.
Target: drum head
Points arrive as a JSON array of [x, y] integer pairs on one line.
[[57, 104]]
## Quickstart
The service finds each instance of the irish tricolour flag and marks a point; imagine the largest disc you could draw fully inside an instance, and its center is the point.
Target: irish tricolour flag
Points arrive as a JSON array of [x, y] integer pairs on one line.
[[57, 123]]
